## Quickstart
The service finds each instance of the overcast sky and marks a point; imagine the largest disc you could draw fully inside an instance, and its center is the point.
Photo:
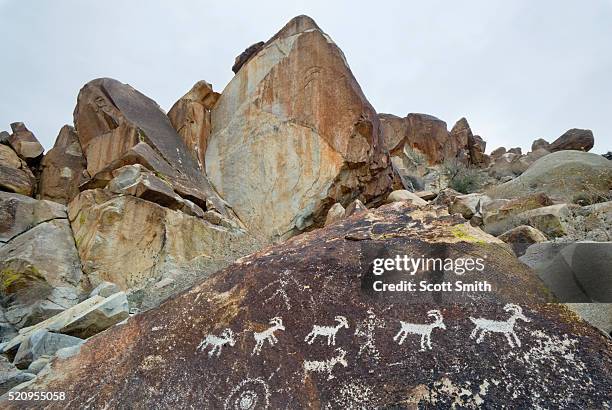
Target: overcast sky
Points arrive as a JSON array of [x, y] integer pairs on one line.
[[517, 70]]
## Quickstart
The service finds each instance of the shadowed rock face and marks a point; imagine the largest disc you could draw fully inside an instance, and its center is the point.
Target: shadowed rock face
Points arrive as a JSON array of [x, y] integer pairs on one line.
[[293, 133], [118, 125], [319, 278], [63, 168]]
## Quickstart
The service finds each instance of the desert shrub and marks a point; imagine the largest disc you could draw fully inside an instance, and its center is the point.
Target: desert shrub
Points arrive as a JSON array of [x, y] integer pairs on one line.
[[415, 156], [462, 178]]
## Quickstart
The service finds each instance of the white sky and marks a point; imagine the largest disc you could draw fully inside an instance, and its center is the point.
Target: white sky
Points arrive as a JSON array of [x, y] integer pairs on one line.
[[516, 69]]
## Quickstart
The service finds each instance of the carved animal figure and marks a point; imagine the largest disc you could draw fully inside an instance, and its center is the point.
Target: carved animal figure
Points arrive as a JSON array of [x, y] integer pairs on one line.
[[326, 366], [506, 327], [421, 329], [329, 331], [268, 334], [217, 342]]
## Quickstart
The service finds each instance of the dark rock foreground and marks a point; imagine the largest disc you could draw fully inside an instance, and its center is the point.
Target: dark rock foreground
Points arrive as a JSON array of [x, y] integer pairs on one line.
[[254, 335]]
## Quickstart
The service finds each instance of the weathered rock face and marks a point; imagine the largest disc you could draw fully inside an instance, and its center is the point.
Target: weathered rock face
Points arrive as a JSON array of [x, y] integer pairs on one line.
[[165, 253], [472, 147], [247, 337], [40, 270], [15, 176], [25, 143], [190, 117], [64, 168], [565, 176], [118, 126], [574, 139], [283, 151], [425, 133]]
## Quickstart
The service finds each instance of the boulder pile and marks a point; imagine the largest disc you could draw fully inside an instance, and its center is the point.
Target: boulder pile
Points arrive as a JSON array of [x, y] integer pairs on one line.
[[222, 255]]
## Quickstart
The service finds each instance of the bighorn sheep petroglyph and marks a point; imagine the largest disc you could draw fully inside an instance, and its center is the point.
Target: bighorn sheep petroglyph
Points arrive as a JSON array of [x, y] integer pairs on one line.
[[326, 366], [268, 334], [217, 342], [421, 329], [505, 327], [329, 331]]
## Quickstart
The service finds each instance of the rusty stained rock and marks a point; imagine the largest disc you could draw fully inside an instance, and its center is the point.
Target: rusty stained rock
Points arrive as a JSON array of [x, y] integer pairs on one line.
[[190, 117], [168, 357], [282, 151], [425, 133], [117, 125]]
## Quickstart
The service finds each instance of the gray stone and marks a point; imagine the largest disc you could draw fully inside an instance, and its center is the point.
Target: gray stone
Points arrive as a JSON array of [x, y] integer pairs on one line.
[[37, 365], [42, 343], [10, 376], [597, 314], [105, 289], [576, 272]]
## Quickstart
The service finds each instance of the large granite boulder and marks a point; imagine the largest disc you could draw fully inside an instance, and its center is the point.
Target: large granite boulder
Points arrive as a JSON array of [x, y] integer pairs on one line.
[[190, 117], [15, 175], [40, 271], [137, 244], [63, 168], [293, 134], [574, 139], [299, 326], [118, 126], [565, 176]]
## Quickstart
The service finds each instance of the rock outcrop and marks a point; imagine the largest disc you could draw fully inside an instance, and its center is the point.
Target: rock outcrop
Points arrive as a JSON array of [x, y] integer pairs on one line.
[[169, 250], [63, 168], [15, 175], [294, 134], [565, 176], [118, 125], [40, 271], [25, 144], [574, 139], [190, 117], [248, 336], [424, 133]]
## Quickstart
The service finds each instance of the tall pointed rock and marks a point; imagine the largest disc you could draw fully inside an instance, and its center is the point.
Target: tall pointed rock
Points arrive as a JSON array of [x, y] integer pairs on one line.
[[293, 133]]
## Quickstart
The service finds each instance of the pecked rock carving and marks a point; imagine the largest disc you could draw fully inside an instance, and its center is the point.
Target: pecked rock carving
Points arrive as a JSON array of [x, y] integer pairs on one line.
[[327, 331], [268, 334], [484, 326], [217, 342], [424, 330]]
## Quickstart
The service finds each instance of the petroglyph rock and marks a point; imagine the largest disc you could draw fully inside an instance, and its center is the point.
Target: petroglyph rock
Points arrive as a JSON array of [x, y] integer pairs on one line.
[[272, 300]]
